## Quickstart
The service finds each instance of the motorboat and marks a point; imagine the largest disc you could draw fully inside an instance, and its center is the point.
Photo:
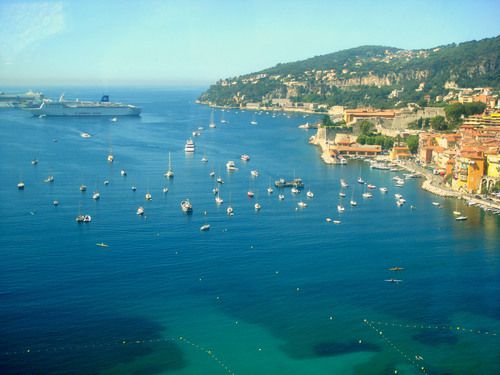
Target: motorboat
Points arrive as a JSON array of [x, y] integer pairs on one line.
[[302, 204], [250, 194], [34, 162], [254, 173], [336, 221], [353, 203], [367, 195], [219, 180], [396, 269], [83, 218], [310, 194], [55, 203], [340, 208], [281, 197], [383, 189], [370, 186], [245, 157], [205, 227], [257, 206], [270, 190], [123, 172], [461, 218], [396, 281], [435, 203], [189, 147], [106, 182], [140, 211], [230, 211], [398, 196], [219, 200], [85, 135], [102, 244], [148, 196], [186, 206], [111, 158], [49, 179], [134, 188], [165, 189], [230, 166], [343, 183], [20, 185], [96, 195], [294, 190]]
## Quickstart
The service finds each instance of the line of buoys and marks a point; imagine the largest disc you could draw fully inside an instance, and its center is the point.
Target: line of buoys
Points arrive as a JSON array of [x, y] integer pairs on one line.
[[434, 326], [208, 352], [416, 360]]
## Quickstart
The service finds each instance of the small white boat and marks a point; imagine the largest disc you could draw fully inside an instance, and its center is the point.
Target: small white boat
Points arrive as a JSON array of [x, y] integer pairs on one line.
[[111, 158], [212, 126], [250, 194], [205, 227], [96, 195], [343, 183], [361, 181], [281, 197], [343, 161], [328, 219], [114, 119], [204, 159], [196, 134], [257, 206], [435, 203], [245, 157], [83, 218], [85, 135], [134, 188], [230, 166], [336, 221], [140, 211], [270, 190], [353, 203], [340, 208], [123, 172], [49, 179], [399, 202], [219, 180], [165, 189], [310, 194], [254, 173], [20, 185], [186, 206], [170, 172], [189, 147], [342, 194], [398, 196], [461, 218], [294, 190], [383, 189], [215, 190], [55, 203], [370, 186], [302, 204], [106, 182], [230, 211], [367, 195], [34, 162], [212, 174], [457, 213], [148, 196], [219, 200]]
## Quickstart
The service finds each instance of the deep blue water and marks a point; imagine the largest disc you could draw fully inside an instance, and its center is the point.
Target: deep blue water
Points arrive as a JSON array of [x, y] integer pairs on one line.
[[275, 291]]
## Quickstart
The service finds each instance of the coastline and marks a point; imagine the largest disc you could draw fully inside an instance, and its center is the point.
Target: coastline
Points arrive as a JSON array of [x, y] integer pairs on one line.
[[430, 183], [267, 109]]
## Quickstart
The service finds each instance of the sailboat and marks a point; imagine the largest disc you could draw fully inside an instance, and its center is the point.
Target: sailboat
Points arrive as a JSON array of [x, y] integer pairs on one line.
[[222, 119], [352, 201], [230, 210], [254, 121], [111, 158], [212, 122], [169, 173]]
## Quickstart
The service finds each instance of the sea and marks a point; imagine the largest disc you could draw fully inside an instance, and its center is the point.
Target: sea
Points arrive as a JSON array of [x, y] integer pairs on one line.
[[274, 291]]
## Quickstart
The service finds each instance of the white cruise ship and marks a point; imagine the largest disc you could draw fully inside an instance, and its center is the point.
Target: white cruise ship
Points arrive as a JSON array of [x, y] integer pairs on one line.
[[77, 107]]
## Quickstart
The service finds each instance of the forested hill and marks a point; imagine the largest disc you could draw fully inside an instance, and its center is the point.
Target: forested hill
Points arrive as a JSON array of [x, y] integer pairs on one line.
[[368, 75]]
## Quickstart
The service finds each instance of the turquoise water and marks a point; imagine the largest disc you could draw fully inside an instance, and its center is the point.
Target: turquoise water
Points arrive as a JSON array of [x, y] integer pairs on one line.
[[279, 291]]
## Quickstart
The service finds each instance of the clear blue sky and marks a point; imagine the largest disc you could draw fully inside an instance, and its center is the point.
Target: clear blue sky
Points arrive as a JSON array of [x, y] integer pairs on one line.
[[181, 42]]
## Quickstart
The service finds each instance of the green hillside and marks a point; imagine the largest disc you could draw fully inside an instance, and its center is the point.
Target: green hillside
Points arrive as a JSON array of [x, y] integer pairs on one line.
[[368, 75]]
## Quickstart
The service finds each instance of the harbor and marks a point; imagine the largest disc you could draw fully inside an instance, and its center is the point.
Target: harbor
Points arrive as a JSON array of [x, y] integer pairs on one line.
[[281, 287]]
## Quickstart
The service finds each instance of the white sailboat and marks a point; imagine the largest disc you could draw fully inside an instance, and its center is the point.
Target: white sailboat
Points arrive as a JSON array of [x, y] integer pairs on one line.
[[170, 172], [212, 121], [254, 121]]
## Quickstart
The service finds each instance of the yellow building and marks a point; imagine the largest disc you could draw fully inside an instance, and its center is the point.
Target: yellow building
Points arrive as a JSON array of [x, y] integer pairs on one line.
[[469, 170], [493, 166], [400, 153]]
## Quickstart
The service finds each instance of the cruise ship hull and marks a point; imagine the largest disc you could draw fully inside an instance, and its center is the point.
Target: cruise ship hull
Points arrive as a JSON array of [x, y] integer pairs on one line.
[[80, 109]]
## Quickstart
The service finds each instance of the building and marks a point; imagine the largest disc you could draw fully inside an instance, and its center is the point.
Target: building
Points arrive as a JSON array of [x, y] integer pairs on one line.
[[353, 115], [400, 153], [468, 171]]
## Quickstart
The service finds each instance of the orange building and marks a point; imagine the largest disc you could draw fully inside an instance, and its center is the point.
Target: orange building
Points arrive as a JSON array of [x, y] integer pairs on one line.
[[400, 153]]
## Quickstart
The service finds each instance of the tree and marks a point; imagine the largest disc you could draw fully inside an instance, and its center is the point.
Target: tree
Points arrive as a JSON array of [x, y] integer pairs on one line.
[[327, 121], [412, 142], [427, 122], [439, 123], [366, 127], [420, 123]]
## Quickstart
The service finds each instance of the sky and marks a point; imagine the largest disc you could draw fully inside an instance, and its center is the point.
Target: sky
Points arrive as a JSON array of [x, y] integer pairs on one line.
[[195, 43]]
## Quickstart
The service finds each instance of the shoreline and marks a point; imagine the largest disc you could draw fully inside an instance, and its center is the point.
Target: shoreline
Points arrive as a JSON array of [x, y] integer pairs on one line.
[[266, 109], [430, 184]]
